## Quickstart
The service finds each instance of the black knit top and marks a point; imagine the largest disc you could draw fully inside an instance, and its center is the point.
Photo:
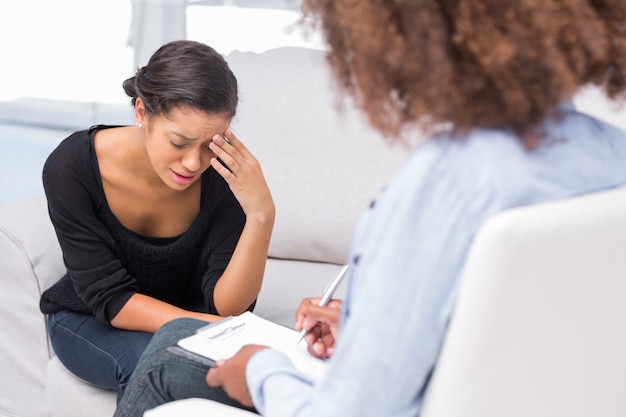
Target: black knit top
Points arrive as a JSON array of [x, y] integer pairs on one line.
[[107, 263]]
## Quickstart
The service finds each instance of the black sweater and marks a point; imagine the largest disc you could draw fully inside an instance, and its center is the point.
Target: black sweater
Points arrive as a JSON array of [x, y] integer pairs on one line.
[[107, 263]]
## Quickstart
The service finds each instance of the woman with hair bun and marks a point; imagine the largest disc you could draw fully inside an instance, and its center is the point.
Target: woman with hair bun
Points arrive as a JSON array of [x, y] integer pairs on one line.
[[166, 219]]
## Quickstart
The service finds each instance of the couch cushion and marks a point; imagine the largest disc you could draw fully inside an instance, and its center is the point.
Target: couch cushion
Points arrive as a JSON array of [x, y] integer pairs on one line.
[[323, 167], [287, 282], [70, 396]]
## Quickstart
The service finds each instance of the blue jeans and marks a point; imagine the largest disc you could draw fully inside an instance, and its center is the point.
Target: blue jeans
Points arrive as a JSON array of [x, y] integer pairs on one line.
[[95, 352], [162, 376]]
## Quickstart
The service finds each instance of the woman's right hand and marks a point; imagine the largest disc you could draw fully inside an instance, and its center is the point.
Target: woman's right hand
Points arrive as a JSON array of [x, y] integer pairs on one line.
[[244, 176], [323, 323]]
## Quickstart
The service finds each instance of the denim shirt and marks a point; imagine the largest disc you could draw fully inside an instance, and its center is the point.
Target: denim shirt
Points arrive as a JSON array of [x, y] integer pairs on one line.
[[407, 257]]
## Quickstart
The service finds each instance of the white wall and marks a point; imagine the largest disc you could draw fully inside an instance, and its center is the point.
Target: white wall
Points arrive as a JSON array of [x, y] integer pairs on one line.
[[78, 49], [68, 49]]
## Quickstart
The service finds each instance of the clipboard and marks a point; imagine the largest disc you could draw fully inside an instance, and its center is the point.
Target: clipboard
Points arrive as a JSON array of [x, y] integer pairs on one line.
[[224, 338]]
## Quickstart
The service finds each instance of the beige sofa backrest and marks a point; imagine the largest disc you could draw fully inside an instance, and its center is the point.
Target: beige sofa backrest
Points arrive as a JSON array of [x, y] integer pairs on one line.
[[322, 166]]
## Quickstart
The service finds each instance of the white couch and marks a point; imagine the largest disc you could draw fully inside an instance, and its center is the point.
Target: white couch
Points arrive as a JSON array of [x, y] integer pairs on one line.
[[323, 167]]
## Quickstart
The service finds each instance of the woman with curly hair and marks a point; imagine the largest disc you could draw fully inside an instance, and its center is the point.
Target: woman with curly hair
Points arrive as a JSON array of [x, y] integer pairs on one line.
[[491, 82]]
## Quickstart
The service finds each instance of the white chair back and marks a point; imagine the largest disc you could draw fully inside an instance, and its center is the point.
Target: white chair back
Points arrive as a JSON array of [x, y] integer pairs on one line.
[[539, 328]]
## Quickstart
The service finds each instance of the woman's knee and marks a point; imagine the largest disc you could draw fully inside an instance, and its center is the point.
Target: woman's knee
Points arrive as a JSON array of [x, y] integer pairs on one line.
[[93, 351], [185, 325], [168, 335], [178, 328]]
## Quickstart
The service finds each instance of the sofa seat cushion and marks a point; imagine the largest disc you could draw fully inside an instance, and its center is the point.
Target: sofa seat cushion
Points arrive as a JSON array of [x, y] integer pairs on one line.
[[69, 396], [287, 282]]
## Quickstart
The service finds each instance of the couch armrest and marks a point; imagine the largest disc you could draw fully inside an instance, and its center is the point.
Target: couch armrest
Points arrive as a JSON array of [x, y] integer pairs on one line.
[[31, 261]]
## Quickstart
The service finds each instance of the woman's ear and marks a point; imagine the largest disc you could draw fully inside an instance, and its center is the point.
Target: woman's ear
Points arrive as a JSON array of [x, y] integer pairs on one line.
[[140, 112]]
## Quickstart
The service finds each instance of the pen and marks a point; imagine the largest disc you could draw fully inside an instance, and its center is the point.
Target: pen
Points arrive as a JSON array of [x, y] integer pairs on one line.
[[328, 294]]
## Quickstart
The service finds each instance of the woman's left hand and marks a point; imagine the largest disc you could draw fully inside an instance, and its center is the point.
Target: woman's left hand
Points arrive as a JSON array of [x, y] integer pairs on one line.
[[243, 173]]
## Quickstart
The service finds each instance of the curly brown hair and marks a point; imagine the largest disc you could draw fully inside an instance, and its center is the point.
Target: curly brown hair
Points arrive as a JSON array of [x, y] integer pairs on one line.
[[471, 63]]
